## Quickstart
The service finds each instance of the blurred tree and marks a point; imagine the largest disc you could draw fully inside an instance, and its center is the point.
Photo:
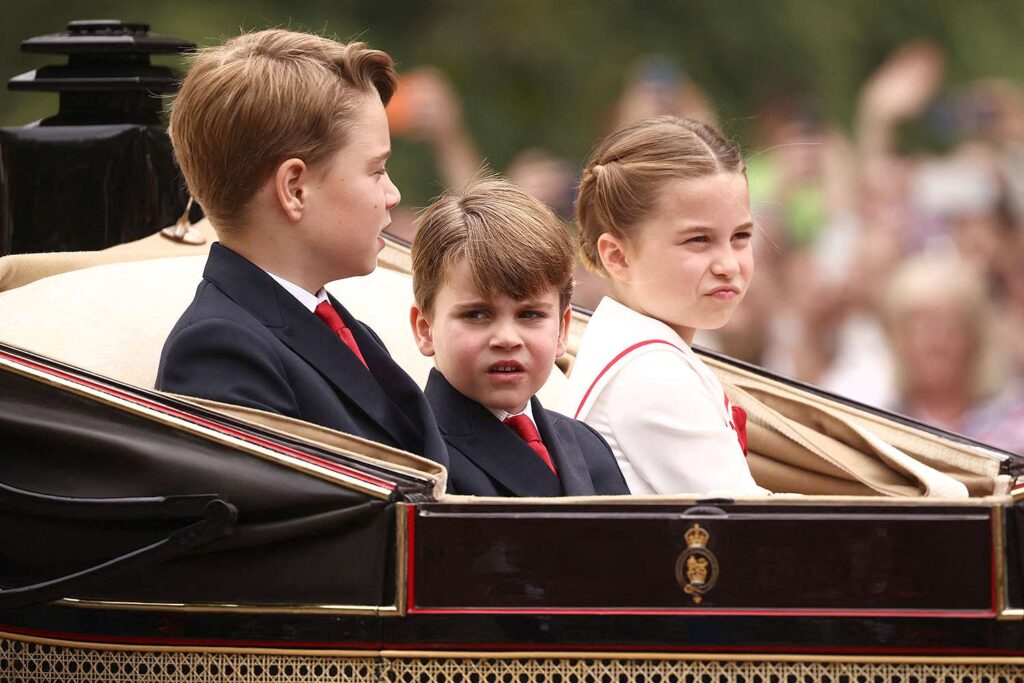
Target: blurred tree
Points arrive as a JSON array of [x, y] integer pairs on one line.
[[547, 73]]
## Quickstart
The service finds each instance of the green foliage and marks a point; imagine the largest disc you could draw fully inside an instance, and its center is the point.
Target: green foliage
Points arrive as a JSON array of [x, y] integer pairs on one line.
[[548, 72]]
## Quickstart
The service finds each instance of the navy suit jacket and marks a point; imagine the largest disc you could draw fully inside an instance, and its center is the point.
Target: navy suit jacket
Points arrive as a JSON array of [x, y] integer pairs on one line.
[[486, 458], [246, 340]]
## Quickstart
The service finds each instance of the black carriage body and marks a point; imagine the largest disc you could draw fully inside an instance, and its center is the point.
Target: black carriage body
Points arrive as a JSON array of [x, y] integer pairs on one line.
[[335, 561]]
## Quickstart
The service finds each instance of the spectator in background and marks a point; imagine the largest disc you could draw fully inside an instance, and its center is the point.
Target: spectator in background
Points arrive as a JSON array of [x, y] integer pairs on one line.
[[546, 178], [655, 85], [950, 370], [426, 107], [1011, 320]]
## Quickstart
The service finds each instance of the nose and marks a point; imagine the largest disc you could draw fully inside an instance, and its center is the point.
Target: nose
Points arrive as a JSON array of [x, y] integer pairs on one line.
[[725, 263], [505, 335], [391, 194]]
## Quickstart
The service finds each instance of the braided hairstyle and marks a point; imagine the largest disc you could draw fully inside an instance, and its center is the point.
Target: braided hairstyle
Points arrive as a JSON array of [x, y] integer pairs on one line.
[[627, 169]]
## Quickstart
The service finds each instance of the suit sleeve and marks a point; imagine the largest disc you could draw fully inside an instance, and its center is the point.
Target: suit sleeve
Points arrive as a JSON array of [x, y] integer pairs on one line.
[[670, 430], [604, 470], [225, 361]]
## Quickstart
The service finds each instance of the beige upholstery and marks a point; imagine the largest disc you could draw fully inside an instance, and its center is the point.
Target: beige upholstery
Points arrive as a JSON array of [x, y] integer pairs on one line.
[[111, 320], [803, 443], [21, 269]]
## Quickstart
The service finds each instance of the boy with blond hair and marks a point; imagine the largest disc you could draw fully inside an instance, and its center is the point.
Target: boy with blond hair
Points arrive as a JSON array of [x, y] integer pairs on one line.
[[282, 139], [492, 277]]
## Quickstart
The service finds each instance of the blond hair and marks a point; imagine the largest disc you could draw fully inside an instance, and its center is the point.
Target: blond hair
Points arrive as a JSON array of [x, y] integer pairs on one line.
[[628, 168], [512, 243], [940, 278], [260, 98]]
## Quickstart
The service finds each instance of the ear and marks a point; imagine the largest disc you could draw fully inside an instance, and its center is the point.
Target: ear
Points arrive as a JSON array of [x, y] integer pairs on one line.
[[290, 182], [614, 253], [421, 331], [563, 332]]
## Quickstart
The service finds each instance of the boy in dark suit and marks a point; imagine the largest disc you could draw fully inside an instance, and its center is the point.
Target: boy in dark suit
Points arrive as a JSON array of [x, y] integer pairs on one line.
[[283, 139], [492, 276]]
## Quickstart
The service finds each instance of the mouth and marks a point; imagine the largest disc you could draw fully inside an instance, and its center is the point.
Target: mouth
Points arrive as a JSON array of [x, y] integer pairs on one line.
[[725, 292], [506, 370]]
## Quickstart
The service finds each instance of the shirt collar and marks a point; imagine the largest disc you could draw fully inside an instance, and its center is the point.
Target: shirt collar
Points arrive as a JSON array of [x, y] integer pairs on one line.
[[504, 415], [308, 300]]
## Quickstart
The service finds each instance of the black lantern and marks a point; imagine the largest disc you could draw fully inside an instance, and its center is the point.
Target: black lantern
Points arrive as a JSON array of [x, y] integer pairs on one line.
[[100, 171]]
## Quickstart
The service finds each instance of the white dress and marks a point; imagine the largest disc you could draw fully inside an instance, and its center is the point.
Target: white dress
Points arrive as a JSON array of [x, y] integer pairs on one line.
[[661, 409]]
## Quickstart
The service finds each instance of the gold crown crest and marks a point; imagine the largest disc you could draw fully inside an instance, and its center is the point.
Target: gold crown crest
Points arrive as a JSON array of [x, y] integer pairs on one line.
[[696, 536]]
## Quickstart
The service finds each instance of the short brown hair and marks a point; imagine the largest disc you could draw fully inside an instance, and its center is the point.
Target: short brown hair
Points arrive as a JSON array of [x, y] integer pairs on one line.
[[514, 245], [258, 99], [627, 169]]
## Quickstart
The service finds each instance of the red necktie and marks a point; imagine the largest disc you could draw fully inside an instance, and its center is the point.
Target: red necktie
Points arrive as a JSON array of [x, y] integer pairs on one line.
[[325, 311], [523, 426]]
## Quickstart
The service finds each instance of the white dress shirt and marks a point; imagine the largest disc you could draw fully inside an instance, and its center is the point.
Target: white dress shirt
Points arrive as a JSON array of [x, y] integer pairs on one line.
[[660, 408], [504, 415], [310, 301]]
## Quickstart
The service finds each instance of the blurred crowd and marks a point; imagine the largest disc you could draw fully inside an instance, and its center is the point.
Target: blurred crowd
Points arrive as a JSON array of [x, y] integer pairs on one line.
[[890, 257]]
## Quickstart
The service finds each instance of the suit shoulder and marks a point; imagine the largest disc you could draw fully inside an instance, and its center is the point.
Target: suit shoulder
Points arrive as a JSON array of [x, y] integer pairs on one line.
[[583, 432], [211, 304], [229, 361], [373, 333]]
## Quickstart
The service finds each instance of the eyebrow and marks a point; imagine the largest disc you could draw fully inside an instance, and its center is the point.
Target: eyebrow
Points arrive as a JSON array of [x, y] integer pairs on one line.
[[749, 225], [468, 305], [383, 156], [482, 303]]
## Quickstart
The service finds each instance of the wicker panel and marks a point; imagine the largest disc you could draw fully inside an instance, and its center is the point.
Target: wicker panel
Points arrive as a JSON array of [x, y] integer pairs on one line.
[[687, 671], [30, 662], [25, 662]]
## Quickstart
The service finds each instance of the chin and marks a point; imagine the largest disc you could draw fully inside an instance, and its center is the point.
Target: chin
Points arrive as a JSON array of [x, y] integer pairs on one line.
[[512, 405], [364, 269], [716, 320], [715, 325]]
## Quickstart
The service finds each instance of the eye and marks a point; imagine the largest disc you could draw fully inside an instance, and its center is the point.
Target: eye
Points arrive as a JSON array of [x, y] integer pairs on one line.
[[474, 314], [533, 315], [743, 235], [697, 240], [381, 172]]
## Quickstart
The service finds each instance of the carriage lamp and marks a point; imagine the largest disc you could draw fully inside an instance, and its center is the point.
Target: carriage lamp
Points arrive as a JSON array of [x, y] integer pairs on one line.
[[100, 171]]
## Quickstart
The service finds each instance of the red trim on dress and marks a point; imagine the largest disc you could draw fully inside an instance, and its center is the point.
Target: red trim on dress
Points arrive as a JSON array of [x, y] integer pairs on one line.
[[615, 360], [738, 420]]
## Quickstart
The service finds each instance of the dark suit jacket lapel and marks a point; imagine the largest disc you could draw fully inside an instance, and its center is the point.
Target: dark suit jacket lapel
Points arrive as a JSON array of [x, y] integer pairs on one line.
[[558, 437], [396, 389], [488, 443], [306, 335]]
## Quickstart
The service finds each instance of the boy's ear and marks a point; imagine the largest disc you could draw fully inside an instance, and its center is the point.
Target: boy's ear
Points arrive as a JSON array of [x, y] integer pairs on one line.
[[421, 331], [290, 187], [563, 332], [614, 255]]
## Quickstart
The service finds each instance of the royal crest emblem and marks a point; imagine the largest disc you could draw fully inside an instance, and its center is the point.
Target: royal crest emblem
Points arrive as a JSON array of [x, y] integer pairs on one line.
[[697, 567]]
